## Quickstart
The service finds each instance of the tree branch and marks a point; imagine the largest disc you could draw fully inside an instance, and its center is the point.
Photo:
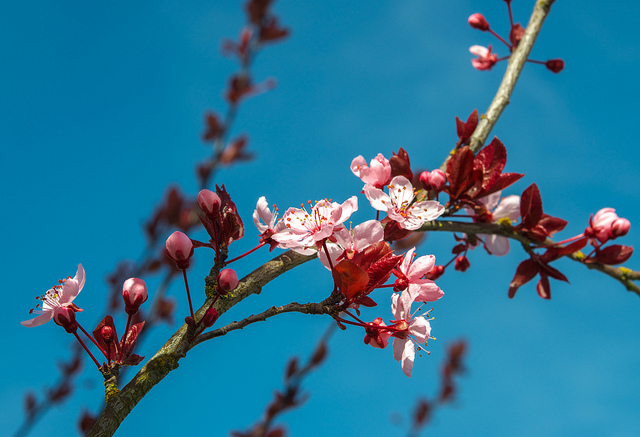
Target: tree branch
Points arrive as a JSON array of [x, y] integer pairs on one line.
[[621, 274], [516, 64], [176, 348]]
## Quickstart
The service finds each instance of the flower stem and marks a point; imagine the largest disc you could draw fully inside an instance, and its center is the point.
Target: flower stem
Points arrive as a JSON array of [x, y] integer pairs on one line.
[[86, 349], [186, 284], [124, 336], [500, 38], [247, 253], [91, 338]]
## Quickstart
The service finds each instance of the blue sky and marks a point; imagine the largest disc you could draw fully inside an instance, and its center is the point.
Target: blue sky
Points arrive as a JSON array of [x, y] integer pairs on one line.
[[102, 108]]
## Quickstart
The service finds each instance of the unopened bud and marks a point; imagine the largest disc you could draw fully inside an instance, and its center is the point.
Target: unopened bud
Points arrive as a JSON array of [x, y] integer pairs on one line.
[[435, 273], [189, 320], [65, 317], [555, 65], [107, 334], [209, 202], [462, 263], [134, 293], [620, 227], [400, 284], [227, 281], [477, 21], [434, 180], [210, 317], [180, 249]]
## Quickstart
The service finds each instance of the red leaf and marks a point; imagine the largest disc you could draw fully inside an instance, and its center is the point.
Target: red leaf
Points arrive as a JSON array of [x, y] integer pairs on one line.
[[554, 273], [350, 279], [552, 224], [292, 368], [531, 206], [369, 255], [491, 160], [400, 164], [612, 255], [380, 271], [525, 272], [543, 287], [459, 170], [109, 348], [366, 301], [130, 341], [505, 180], [132, 360], [465, 130]]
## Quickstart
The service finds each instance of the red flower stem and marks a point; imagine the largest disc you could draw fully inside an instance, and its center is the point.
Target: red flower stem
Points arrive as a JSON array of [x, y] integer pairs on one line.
[[86, 349], [504, 58], [217, 249], [247, 253], [324, 246], [124, 336], [378, 215], [500, 38], [368, 326], [450, 261], [186, 284], [570, 239], [347, 312], [533, 61], [90, 338], [510, 13]]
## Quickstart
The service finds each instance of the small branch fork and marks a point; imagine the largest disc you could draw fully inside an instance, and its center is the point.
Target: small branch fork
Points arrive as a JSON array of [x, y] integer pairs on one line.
[[621, 274]]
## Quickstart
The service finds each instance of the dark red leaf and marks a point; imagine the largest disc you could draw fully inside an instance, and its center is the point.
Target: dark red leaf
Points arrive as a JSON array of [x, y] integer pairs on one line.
[[491, 160], [380, 271], [459, 170], [110, 347], [366, 301], [525, 272], [292, 368], [132, 360], [531, 206], [554, 273], [505, 180], [400, 164], [544, 288], [552, 224], [319, 354], [369, 255], [350, 279], [612, 255], [130, 341]]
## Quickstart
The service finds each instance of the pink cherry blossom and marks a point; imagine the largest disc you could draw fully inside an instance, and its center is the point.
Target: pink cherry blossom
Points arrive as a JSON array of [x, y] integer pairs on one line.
[[375, 336], [352, 241], [304, 230], [377, 173], [410, 273], [398, 204], [606, 225], [408, 329], [485, 59], [58, 296], [498, 210]]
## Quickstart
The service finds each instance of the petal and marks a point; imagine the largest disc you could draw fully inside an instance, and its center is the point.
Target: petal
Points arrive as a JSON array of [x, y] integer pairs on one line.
[[37, 321], [427, 210], [398, 347], [421, 266], [508, 207], [479, 51], [347, 208], [420, 329], [405, 266], [379, 199], [491, 201], [72, 287], [408, 355], [496, 244], [357, 164], [425, 290], [334, 252], [401, 191], [262, 212]]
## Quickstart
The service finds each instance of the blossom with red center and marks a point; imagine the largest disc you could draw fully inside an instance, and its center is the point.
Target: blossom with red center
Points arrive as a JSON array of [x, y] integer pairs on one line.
[[350, 242], [267, 223], [606, 225], [398, 204], [377, 173], [410, 273], [57, 297], [375, 336], [304, 230], [407, 331], [485, 59], [505, 210]]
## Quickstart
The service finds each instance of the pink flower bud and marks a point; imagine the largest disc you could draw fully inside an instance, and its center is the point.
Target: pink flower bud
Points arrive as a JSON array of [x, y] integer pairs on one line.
[[180, 249], [210, 317], [555, 65], [400, 284], [619, 228], [434, 180], [435, 273], [477, 21], [227, 281], [134, 293], [65, 317], [107, 334], [462, 263], [209, 202]]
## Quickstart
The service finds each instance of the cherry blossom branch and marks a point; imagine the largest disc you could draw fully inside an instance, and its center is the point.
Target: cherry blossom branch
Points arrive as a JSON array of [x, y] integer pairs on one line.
[[514, 69], [176, 348], [327, 306], [621, 274]]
